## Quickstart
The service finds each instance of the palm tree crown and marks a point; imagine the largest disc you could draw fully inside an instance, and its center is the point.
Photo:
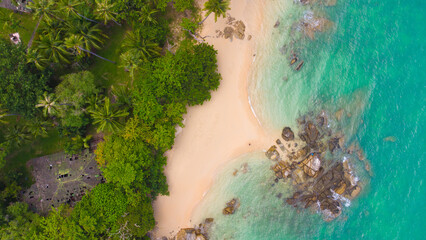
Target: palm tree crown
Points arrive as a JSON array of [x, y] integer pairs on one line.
[[104, 11], [138, 45], [42, 9], [3, 114], [218, 7], [91, 35], [48, 103], [52, 48], [107, 118]]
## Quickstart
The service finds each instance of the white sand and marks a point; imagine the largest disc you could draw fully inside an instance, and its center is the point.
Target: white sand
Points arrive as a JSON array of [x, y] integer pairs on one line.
[[216, 132]]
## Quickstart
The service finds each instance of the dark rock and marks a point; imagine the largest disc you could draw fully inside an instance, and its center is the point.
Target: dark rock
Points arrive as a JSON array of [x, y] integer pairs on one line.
[[333, 144], [281, 145], [299, 66], [277, 24], [310, 134], [231, 207], [287, 134]]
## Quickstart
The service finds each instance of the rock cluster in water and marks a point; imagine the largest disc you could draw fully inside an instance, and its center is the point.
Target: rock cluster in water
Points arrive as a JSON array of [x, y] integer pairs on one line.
[[311, 162], [231, 207], [199, 232]]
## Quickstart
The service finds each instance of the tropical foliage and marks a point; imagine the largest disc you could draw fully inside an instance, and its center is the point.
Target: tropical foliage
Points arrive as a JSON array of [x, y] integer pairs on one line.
[[21, 84], [51, 85], [218, 7]]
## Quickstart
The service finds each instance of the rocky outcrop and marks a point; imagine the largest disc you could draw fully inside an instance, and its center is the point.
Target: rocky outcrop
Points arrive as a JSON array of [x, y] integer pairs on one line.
[[239, 30], [310, 134], [231, 207], [228, 32], [321, 181], [199, 232], [235, 28]]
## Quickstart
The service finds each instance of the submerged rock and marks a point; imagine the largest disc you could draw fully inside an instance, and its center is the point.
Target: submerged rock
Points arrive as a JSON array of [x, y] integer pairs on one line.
[[333, 144], [231, 207], [390, 139], [312, 23], [277, 24]]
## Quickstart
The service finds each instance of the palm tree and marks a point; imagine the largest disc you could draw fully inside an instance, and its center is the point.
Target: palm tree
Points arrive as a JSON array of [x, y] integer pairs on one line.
[[131, 61], [74, 42], [43, 9], [17, 135], [39, 60], [122, 94], [107, 118], [82, 141], [91, 35], [218, 7], [104, 11], [52, 48], [3, 115], [137, 45], [69, 8], [147, 15], [37, 127], [48, 103], [93, 102]]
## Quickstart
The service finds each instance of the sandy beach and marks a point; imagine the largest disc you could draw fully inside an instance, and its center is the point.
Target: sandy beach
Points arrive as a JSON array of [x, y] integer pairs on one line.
[[217, 131]]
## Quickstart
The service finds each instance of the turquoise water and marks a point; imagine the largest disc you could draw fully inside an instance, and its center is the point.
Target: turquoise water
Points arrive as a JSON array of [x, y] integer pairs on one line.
[[371, 63]]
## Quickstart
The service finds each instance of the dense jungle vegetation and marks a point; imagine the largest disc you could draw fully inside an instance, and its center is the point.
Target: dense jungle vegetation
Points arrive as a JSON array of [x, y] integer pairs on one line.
[[104, 69]]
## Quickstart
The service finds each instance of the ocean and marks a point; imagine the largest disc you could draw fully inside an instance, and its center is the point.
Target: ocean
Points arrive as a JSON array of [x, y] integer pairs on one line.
[[371, 63]]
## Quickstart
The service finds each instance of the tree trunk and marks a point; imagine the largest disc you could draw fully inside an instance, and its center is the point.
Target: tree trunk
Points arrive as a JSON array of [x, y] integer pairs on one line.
[[192, 35], [34, 33], [82, 49], [88, 19], [116, 22], [204, 19]]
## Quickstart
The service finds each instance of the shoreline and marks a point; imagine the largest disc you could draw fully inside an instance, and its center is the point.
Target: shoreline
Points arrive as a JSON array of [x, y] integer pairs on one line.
[[218, 131]]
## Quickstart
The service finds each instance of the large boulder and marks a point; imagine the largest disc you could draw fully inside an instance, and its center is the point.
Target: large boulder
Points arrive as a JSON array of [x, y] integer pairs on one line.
[[186, 234], [310, 134], [311, 165], [272, 153], [287, 134]]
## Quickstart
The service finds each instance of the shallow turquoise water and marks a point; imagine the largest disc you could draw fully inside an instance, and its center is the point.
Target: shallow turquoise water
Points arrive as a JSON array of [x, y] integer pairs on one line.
[[370, 63]]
